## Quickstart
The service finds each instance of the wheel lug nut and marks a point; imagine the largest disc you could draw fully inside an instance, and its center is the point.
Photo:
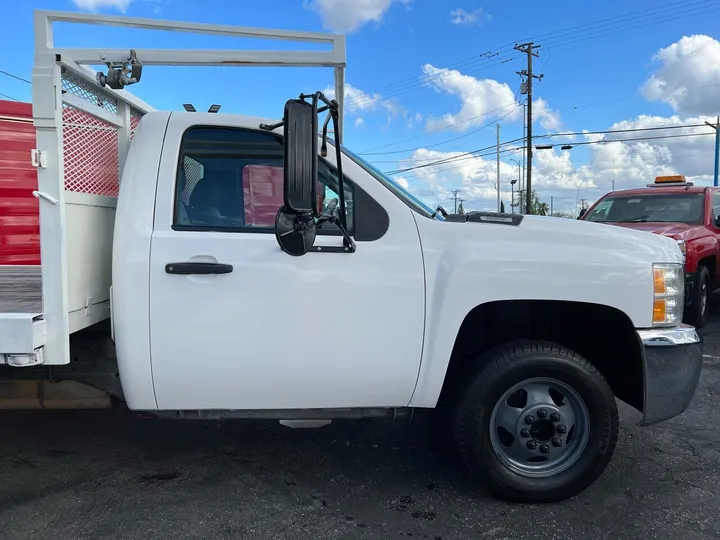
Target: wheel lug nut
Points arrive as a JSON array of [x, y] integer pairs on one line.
[[544, 448], [542, 413], [524, 432], [555, 417], [561, 429], [529, 419], [557, 441], [531, 445]]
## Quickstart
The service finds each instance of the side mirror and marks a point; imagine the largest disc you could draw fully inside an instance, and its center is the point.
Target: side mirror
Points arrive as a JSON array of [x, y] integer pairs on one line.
[[295, 235], [295, 221], [300, 156], [583, 211], [717, 221]]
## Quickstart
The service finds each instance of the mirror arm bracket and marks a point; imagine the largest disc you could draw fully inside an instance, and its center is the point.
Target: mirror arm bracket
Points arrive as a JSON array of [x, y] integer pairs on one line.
[[348, 243]]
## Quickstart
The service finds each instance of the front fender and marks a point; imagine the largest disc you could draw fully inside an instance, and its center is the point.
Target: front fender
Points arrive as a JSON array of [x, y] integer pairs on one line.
[[470, 264], [698, 249]]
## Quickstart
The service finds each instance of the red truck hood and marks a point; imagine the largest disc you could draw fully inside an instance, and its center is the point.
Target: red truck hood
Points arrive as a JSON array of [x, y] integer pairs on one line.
[[664, 228]]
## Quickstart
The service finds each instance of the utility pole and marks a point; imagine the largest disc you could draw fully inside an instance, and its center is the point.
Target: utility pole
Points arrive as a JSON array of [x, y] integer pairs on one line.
[[716, 127], [461, 209], [455, 195], [498, 168], [551, 204], [522, 173], [528, 49]]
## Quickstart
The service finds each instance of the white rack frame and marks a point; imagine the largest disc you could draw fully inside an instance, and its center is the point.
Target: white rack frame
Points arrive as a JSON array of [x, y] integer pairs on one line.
[[48, 333]]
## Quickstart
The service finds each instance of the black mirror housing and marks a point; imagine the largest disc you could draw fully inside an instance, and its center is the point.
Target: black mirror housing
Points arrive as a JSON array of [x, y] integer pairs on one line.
[[300, 125], [297, 219]]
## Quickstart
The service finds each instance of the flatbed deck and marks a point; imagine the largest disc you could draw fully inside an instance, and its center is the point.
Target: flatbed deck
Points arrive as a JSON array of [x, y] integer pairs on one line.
[[20, 289]]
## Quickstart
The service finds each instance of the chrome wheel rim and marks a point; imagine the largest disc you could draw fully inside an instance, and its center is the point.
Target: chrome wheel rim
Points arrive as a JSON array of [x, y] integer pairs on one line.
[[539, 427], [703, 299]]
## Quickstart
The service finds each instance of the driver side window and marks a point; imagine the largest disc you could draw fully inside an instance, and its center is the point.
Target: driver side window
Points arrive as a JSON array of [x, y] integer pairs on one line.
[[715, 207], [231, 180]]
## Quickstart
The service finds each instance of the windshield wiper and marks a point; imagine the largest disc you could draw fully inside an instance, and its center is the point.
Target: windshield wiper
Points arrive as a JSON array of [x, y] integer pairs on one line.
[[441, 210]]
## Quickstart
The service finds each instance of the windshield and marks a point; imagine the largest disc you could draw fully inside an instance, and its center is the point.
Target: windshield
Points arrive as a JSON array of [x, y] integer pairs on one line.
[[404, 195], [662, 207]]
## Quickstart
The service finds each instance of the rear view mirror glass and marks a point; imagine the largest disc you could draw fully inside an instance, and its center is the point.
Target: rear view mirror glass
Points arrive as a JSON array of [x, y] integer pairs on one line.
[[300, 156]]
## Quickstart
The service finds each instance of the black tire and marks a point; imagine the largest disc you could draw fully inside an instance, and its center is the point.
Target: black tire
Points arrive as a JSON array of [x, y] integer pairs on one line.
[[700, 303], [513, 364]]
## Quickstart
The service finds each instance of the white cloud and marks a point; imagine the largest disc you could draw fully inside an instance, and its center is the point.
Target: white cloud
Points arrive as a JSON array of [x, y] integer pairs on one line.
[[547, 117], [482, 99], [467, 18], [121, 6], [344, 16], [359, 121], [359, 102], [689, 76], [98, 5]]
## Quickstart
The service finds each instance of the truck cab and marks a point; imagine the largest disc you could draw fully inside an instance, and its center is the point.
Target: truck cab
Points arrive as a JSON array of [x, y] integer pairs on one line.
[[673, 207]]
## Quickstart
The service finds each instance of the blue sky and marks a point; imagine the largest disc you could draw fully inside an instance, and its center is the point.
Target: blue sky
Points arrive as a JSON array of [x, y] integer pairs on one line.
[[396, 49]]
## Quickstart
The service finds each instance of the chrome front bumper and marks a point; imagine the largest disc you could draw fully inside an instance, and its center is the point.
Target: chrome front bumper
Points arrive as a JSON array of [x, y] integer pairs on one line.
[[672, 360]]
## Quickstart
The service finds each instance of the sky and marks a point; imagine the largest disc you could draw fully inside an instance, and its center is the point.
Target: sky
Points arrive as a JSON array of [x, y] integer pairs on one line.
[[429, 80]]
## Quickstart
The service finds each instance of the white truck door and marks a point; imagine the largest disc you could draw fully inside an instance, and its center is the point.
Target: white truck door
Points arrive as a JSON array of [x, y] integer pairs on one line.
[[238, 324]]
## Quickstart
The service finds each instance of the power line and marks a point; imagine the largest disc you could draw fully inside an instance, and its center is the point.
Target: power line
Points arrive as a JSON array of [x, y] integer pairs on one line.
[[488, 149], [578, 133], [369, 152], [641, 14], [630, 21], [9, 97], [484, 126], [15, 76], [638, 21], [488, 152]]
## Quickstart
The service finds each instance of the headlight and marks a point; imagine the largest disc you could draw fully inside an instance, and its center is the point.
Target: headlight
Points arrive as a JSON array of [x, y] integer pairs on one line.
[[682, 246], [669, 294]]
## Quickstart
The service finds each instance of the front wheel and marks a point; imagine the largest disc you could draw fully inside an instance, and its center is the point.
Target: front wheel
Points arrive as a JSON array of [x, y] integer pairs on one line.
[[536, 423], [698, 308]]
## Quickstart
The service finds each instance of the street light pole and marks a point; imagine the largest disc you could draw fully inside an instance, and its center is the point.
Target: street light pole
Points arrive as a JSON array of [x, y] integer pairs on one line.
[[512, 196], [498, 168], [519, 180]]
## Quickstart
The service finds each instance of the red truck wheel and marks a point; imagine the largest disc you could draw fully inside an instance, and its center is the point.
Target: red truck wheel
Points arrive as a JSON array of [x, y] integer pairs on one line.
[[699, 305]]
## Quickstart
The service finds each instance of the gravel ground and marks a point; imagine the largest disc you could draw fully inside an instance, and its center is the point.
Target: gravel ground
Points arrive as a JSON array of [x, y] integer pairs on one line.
[[114, 475]]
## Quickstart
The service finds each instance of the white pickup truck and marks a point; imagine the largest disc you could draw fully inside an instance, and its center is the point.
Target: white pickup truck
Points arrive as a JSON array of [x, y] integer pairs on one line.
[[257, 270]]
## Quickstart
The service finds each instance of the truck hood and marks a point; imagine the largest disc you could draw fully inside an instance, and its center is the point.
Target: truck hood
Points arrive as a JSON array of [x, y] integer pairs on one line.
[[664, 228], [494, 257], [582, 238]]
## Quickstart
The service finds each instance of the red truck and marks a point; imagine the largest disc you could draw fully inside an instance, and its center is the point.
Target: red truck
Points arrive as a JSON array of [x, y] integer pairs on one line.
[[674, 207]]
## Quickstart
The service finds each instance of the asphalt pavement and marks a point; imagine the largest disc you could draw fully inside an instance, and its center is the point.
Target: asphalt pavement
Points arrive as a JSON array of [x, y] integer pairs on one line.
[[115, 475]]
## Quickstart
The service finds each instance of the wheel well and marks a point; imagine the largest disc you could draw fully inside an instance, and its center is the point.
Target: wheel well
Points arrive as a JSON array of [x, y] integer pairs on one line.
[[710, 264], [603, 335]]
